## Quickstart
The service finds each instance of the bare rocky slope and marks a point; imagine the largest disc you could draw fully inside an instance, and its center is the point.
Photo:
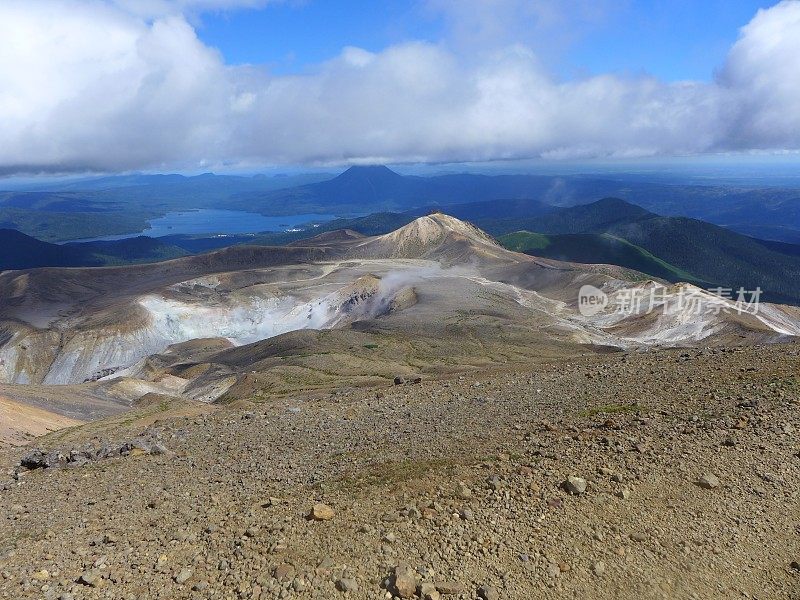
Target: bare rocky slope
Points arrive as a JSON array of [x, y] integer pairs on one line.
[[664, 474]]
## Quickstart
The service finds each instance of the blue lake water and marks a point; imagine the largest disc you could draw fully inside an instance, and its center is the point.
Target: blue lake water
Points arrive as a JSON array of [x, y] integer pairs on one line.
[[212, 221]]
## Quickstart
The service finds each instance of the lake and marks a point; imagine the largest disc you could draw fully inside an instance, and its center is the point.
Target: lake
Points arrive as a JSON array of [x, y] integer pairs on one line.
[[212, 221]]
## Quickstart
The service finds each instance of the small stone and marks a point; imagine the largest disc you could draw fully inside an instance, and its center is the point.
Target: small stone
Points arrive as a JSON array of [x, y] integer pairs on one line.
[[184, 576], [284, 572], [428, 591], [575, 485], [347, 585], [405, 581], [399, 380], [89, 578], [624, 494], [638, 536], [599, 536], [450, 588], [429, 513], [463, 492], [487, 592], [42, 575], [708, 481], [322, 512], [599, 568]]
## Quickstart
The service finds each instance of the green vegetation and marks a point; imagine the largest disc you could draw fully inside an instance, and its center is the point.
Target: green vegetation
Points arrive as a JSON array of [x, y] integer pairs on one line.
[[526, 241], [595, 248], [58, 226], [24, 252], [710, 255]]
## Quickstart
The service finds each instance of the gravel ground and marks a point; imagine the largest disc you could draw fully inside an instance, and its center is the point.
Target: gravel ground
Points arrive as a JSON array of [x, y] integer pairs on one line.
[[669, 474]]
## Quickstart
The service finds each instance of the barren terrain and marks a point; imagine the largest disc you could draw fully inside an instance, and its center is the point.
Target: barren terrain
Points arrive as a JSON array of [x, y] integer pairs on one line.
[[689, 458], [416, 415]]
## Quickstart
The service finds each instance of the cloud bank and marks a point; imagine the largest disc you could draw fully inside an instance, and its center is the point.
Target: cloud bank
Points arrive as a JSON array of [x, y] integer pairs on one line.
[[121, 85]]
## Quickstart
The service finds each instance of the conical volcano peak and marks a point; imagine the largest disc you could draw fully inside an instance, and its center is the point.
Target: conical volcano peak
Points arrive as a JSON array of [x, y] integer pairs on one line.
[[437, 225], [369, 173], [435, 233]]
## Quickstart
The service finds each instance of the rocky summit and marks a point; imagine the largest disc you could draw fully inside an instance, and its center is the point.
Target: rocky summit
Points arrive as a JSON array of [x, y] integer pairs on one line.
[[666, 474]]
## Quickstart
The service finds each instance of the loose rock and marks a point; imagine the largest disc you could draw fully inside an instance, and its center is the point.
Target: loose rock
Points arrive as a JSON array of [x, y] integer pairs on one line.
[[708, 481], [405, 581], [322, 512], [575, 485], [487, 592]]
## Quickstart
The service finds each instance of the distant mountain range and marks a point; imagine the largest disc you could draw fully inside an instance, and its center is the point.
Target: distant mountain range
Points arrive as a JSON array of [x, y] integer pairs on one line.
[[771, 213], [613, 231], [123, 204], [599, 248], [707, 253], [609, 231], [21, 251], [378, 188], [120, 204]]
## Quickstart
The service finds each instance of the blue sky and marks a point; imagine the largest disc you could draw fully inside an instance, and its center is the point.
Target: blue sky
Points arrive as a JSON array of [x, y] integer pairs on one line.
[[291, 36], [670, 39]]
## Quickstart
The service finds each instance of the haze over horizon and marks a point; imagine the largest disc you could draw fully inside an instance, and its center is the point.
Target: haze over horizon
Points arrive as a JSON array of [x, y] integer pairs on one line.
[[192, 85]]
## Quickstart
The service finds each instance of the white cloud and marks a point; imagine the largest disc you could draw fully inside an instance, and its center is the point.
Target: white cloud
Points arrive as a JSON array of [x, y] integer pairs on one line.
[[94, 85], [160, 8], [762, 76], [547, 26]]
